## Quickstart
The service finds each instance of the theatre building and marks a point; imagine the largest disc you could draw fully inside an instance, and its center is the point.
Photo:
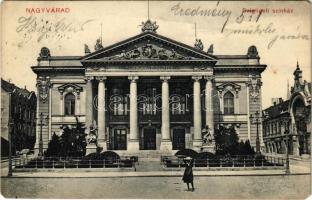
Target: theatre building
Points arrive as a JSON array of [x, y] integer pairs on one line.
[[149, 92]]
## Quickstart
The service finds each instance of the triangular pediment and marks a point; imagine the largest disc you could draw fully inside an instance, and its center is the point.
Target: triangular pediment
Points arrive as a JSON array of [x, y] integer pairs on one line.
[[148, 46]]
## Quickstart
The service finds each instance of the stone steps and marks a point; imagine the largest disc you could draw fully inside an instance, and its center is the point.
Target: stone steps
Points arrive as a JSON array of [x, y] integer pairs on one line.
[[150, 165], [151, 155]]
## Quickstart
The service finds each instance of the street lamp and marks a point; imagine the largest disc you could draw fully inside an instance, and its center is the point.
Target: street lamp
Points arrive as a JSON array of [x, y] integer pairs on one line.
[[10, 126], [287, 169], [256, 119], [42, 119]]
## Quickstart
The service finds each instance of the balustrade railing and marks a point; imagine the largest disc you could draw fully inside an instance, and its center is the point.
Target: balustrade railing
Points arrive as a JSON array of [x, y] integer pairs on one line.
[[236, 161], [75, 162]]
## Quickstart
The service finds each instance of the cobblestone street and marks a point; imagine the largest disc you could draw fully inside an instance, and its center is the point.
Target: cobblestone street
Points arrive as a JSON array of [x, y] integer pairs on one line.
[[274, 186]]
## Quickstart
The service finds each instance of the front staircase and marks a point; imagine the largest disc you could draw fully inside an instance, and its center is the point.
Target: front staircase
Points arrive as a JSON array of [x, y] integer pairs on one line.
[[149, 155], [148, 166], [149, 160]]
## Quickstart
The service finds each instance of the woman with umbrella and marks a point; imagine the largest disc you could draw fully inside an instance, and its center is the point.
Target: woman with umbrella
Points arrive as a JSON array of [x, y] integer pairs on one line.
[[188, 173]]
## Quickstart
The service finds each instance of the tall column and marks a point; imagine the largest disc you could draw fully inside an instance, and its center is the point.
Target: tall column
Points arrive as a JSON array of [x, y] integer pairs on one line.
[[133, 144], [101, 113], [197, 142], [209, 110], [165, 144], [89, 102]]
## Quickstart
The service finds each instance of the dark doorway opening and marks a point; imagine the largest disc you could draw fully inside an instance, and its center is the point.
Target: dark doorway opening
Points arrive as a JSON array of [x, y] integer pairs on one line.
[[120, 139], [149, 140], [178, 138]]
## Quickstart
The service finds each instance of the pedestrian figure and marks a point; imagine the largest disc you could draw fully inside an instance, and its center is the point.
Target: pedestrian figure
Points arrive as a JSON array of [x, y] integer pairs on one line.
[[188, 173]]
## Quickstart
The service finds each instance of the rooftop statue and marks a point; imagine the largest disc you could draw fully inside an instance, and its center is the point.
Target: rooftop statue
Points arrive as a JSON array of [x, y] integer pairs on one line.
[[98, 44], [210, 49], [149, 26], [86, 49], [199, 44]]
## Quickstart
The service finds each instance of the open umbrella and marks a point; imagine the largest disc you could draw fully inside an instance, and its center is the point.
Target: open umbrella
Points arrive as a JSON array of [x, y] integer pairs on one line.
[[186, 153]]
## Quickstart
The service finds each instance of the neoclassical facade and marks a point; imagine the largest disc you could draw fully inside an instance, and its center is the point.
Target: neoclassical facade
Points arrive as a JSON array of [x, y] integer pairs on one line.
[[290, 118], [150, 92]]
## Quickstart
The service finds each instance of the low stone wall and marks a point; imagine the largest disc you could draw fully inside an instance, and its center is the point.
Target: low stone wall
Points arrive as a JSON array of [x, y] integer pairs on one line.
[[73, 170], [225, 168]]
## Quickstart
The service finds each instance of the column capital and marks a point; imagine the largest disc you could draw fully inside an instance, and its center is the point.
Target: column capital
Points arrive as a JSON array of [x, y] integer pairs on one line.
[[133, 78], [209, 77], [165, 78], [88, 78], [197, 78], [101, 78]]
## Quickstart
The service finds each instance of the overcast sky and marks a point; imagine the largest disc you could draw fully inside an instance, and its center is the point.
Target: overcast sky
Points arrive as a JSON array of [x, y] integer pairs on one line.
[[281, 37]]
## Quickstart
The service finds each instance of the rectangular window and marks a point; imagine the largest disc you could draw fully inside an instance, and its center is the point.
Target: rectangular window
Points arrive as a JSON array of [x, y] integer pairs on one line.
[[178, 108], [120, 105]]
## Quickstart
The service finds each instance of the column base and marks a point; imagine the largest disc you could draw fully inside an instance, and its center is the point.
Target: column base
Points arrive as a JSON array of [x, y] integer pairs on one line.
[[133, 146], [36, 151], [165, 146], [102, 145], [211, 148], [305, 156], [197, 145], [91, 148]]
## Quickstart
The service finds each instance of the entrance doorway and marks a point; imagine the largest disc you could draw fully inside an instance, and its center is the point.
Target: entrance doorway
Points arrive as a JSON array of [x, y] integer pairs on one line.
[[178, 142], [149, 139], [120, 139]]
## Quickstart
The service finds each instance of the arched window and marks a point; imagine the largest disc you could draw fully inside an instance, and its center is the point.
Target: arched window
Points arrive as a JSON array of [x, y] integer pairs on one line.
[[228, 103], [70, 104]]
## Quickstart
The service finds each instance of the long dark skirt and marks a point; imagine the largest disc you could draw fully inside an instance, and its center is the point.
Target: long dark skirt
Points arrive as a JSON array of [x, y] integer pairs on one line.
[[188, 175]]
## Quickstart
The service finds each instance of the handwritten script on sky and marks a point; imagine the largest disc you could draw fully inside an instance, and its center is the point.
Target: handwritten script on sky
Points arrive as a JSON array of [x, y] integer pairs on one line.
[[234, 24], [39, 28]]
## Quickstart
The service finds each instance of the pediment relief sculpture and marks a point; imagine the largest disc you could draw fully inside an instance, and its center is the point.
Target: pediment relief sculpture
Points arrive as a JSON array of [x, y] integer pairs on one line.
[[149, 51]]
